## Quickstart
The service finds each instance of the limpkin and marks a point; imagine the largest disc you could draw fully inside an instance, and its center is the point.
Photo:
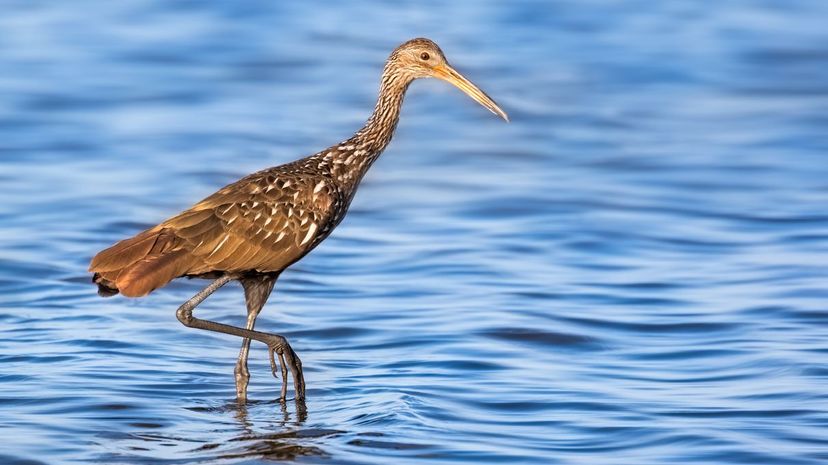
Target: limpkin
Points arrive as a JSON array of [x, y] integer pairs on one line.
[[256, 227]]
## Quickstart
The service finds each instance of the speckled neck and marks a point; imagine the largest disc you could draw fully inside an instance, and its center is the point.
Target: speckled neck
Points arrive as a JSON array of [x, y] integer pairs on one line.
[[378, 130], [349, 160]]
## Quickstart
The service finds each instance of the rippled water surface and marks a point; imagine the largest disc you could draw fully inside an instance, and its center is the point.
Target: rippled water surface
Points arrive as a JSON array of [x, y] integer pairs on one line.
[[633, 271]]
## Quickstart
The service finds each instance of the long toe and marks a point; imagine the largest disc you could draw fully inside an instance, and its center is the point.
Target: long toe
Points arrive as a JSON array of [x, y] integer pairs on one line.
[[279, 345], [273, 352], [295, 365], [283, 366]]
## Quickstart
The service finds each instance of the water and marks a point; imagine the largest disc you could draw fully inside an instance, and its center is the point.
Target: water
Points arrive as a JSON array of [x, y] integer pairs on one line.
[[632, 271]]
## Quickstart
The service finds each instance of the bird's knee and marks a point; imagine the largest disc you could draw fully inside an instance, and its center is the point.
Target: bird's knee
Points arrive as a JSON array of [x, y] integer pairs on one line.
[[184, 315]]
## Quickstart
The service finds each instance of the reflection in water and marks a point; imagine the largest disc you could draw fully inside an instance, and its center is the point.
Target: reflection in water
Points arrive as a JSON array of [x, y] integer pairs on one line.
[[301, 413], [632, 271], [280, 435], [281, 444]]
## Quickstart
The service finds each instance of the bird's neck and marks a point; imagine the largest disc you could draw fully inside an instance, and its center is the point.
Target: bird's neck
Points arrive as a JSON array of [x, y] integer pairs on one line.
[[378, 130], [350, 160]]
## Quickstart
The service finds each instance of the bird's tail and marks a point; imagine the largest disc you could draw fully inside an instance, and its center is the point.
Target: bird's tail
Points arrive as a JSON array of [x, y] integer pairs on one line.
[[137, 266]]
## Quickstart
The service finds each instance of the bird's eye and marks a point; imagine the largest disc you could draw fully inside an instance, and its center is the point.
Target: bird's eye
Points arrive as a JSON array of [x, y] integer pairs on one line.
[[424, 56]]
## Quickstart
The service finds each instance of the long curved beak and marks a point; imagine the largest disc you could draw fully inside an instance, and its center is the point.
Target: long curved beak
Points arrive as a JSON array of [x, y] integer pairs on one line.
[[448, 74]]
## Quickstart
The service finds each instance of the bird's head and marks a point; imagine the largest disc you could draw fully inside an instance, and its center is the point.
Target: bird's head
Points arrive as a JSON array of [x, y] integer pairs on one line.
[[422, 58]]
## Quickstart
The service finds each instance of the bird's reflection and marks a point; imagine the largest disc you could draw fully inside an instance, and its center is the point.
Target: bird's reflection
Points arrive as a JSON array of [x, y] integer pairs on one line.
[[269, 430], [301, 413], [281, 442]]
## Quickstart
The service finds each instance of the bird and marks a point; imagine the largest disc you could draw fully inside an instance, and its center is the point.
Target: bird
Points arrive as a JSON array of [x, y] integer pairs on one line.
[[250, 231]]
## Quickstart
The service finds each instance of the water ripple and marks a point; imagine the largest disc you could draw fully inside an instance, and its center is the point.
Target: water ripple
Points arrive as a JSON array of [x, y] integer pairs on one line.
[[632, 271]]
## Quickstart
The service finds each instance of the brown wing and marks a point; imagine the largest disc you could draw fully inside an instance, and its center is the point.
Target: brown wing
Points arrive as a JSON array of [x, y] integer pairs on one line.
[[262, 223], [265, 229]]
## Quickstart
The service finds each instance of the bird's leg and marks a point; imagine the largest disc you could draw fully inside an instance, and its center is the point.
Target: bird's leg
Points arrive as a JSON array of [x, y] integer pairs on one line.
[[256, 292], [276, 344], [241, 372]]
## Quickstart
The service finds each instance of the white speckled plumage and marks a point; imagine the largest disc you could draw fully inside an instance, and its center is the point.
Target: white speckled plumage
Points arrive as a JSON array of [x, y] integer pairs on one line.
[[241, 229], [253, 229]]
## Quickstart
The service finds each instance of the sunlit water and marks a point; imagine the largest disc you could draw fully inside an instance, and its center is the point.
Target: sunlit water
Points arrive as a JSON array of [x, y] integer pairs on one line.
[[631, 272]]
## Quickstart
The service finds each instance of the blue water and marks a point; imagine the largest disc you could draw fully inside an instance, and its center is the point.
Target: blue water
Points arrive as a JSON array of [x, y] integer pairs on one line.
[[631, 272]]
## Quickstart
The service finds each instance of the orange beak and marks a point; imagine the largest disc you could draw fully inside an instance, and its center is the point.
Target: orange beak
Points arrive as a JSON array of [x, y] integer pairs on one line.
[[448, 74]]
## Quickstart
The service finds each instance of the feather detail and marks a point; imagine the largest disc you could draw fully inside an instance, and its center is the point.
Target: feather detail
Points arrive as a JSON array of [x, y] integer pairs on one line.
[[152, 272], [124, 253]]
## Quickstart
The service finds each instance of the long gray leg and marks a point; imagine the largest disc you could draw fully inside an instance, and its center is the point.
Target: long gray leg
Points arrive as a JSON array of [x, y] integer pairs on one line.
[[276, 344], [256, 292]]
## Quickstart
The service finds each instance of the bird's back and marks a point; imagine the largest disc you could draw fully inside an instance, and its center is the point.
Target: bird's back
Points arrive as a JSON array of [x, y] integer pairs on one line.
[[259, 224], [268, 220]]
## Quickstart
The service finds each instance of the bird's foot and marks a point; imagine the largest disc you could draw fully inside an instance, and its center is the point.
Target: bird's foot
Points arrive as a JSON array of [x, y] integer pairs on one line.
[[278, 345]]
